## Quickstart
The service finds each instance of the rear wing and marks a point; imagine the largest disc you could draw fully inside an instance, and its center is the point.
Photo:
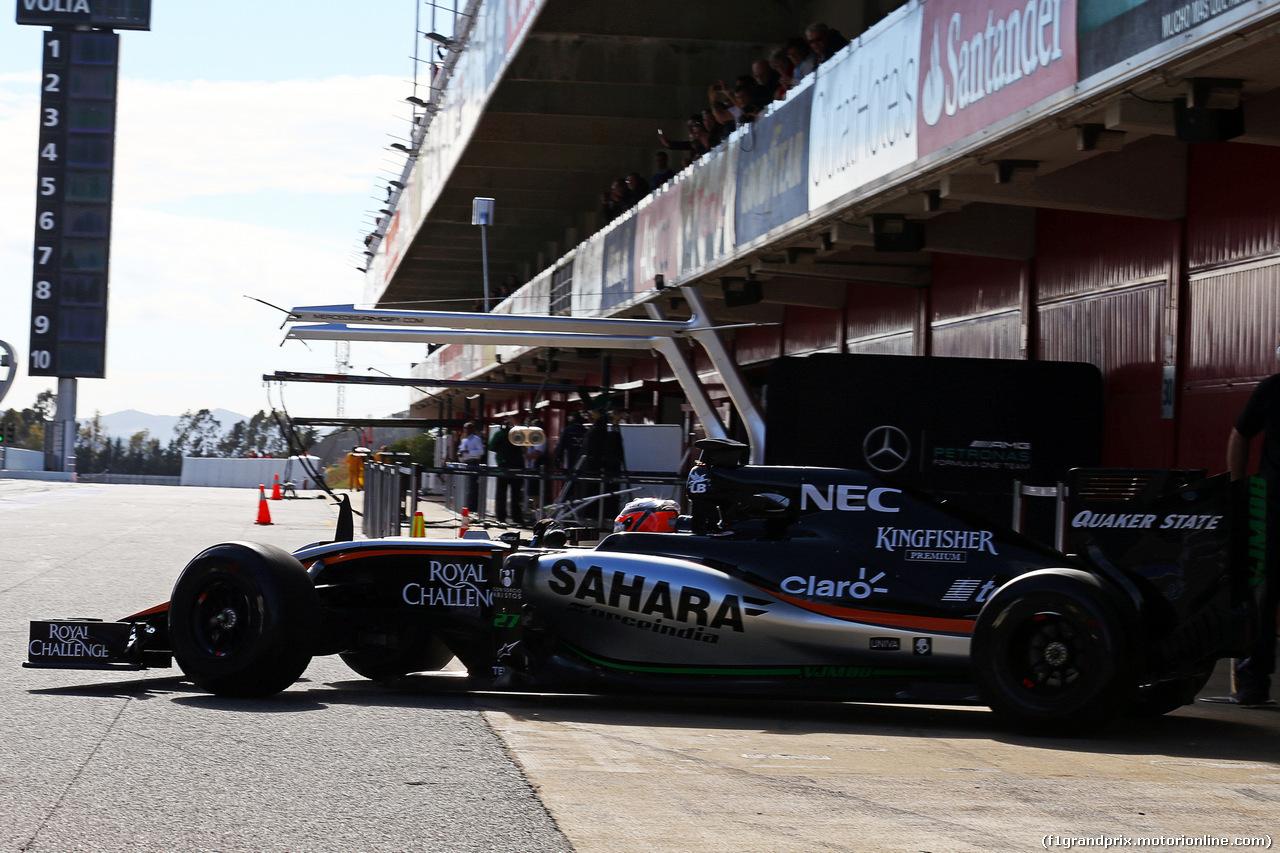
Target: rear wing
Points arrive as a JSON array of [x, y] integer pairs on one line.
[[1187, 547]]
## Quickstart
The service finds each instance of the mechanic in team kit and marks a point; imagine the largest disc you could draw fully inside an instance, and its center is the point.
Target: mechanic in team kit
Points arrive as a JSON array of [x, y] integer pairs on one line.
[[1251, 684]]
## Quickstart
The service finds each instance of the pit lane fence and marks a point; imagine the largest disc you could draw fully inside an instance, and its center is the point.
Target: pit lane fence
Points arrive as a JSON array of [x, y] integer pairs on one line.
[[393, 491]]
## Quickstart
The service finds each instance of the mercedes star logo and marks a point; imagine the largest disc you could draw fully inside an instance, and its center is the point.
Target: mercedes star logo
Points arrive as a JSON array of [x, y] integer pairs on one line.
[[886, 449]]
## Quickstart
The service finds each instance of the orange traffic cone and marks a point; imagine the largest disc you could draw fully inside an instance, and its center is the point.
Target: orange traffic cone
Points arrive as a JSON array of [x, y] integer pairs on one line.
[[466, 523], [419, 527], [275, 490], [264, 513]]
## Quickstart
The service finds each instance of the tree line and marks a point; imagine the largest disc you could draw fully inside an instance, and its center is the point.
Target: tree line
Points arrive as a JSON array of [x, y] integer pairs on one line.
[[198, 433]]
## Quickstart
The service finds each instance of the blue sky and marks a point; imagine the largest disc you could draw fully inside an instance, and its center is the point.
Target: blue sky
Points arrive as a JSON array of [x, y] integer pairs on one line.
[[251, 150]]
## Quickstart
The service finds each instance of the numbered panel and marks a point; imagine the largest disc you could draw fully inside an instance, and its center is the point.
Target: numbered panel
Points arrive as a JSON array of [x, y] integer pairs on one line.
[[74, 160]]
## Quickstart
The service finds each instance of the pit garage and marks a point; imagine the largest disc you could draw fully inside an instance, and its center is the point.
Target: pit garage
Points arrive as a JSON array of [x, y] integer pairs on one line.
[[1056, 180]]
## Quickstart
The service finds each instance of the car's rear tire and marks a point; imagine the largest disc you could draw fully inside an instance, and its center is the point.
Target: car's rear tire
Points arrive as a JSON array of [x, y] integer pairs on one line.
[[243, 619], [424, 653], [1165, 696], [1052, 653]]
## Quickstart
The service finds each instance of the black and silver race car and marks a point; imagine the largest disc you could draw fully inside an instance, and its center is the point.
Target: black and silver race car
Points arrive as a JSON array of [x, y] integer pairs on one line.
[[793, 582]]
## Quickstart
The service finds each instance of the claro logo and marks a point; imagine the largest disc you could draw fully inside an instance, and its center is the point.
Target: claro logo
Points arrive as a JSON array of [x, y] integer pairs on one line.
[[849, 498]]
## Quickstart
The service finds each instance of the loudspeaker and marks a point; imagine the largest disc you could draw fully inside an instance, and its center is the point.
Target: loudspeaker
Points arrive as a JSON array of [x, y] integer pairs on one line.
[[740, 293], [896, 234], [1203, 124]]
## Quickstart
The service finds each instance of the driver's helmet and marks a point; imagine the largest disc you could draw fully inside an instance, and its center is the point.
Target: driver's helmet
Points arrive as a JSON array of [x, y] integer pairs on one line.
[[648, 515]]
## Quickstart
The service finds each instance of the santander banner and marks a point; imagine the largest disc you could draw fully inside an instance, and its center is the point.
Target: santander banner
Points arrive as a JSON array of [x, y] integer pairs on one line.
[[983, 60]]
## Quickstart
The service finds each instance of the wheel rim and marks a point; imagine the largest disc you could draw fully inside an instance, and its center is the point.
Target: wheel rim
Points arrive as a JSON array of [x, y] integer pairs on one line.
[[222, 618], [1051, 654]]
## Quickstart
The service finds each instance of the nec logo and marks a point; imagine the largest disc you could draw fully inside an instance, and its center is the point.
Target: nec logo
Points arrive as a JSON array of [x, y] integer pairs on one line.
[[847, 498]]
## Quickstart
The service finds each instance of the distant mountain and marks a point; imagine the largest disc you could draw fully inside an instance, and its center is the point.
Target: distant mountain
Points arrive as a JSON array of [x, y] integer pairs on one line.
[[126, 424]]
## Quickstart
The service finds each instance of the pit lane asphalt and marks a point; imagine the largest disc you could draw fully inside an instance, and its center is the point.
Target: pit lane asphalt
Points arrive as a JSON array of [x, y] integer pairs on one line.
[[144, 761]]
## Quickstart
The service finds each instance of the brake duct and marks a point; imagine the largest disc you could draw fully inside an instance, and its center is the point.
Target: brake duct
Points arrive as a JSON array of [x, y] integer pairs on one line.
[[530, 330]]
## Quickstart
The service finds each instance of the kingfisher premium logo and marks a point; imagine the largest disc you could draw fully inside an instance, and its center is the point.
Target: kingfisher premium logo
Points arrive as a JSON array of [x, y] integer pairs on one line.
[[934, 546]]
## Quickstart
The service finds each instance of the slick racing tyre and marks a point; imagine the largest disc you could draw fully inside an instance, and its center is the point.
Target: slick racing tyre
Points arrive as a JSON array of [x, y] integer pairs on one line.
[[1160, 698], [243, 619], [419, 653], [1052, 653]]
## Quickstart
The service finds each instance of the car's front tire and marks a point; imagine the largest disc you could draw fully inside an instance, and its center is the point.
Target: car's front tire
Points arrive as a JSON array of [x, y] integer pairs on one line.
[[243, 619], [1052, 652]]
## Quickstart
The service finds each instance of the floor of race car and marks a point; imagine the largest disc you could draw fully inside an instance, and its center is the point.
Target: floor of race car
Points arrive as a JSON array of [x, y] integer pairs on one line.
[[145, 762]]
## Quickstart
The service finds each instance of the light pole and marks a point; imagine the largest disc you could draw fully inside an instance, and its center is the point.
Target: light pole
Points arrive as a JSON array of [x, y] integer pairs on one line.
[[482, 215]]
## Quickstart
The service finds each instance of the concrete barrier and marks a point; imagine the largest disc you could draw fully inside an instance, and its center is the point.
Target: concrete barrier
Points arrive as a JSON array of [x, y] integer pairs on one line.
[[20, 459], [248, 473]]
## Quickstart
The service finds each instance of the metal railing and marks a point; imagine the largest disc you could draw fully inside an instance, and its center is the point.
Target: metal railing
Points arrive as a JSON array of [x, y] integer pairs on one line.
[[390, 498], [392, 493]]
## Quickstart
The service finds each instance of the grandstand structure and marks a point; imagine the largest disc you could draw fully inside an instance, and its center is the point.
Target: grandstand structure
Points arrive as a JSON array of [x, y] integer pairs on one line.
[[1075, 180]]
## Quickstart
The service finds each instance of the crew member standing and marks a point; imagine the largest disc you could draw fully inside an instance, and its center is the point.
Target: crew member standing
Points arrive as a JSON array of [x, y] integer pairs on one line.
[[1251, 681], [471, 453], [511, 457], [355, 469]]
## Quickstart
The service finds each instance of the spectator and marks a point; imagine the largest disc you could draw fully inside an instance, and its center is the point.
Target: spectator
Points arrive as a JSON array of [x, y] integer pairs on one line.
[[664, 172], [735, 110], [637, 189], [699, 141], [824, 41], [766, 79], [786, 70], [614, 200], [804, 59], [509, 286]]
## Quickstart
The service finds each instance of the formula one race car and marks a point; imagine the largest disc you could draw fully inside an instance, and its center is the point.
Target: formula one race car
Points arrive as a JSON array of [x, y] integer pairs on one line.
[[794, 582]]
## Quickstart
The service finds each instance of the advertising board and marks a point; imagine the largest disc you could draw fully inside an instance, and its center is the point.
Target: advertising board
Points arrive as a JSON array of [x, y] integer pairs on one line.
[[617, 274], [864, 109], [962, 428], [773, 169], [1118, 32], [706, 210], [983, 60], [657, 250]]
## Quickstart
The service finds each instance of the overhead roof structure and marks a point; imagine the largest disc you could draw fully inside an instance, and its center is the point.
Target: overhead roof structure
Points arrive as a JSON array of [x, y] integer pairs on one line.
[[590, 84], [949, 136]]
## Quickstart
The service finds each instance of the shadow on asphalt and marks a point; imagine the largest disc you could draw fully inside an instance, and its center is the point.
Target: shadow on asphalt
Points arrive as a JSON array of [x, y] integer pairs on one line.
[[1243, 735], [1198, 732]]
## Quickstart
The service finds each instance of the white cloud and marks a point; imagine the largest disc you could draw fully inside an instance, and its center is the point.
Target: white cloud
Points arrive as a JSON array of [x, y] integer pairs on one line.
[[181, 335], [210, 138]]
